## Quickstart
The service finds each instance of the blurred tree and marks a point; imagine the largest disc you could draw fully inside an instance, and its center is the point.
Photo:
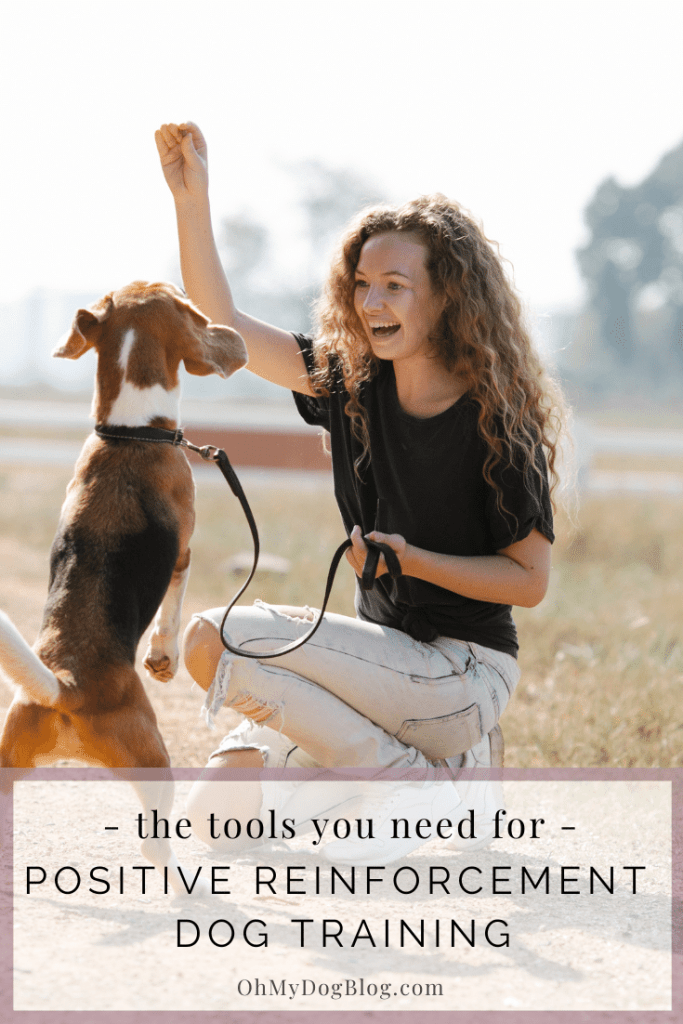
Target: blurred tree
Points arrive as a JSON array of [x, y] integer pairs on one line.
[[633, 263], [243, 245], [330, 197]]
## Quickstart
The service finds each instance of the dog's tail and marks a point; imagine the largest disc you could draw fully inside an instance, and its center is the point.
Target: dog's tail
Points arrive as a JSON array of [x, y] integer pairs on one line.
[[22, 667]]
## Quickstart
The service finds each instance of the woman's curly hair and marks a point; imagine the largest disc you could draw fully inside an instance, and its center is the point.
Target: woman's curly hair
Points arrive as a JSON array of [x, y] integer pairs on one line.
[[480, 335]]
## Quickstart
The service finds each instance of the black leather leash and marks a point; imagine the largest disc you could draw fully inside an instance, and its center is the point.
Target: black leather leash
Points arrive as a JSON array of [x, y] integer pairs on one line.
[[157, 435]]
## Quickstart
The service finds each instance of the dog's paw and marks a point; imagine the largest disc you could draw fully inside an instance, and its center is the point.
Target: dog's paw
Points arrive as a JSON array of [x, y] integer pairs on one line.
[[160, 666], [189, 887], [202, 889]]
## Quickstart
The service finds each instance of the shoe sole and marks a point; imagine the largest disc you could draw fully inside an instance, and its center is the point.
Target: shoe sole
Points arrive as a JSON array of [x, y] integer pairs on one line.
[[476, 844], [306, 823], [384, 858]]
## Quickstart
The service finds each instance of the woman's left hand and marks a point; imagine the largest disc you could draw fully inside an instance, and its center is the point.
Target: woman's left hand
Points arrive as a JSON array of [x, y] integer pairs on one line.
[[357, 553]]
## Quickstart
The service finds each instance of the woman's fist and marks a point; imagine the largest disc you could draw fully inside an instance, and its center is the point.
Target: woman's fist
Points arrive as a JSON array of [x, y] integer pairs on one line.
[[182, 151], [357, 553]]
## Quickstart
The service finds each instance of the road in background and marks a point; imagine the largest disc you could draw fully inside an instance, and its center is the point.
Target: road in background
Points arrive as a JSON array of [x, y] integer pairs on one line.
[[271, 436]]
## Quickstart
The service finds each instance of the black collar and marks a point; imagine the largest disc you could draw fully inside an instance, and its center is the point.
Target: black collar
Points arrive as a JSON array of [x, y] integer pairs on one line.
[[154, 434]]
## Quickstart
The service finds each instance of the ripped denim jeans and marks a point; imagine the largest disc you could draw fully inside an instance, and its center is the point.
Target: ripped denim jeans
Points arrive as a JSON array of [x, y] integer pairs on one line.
[[359, 695]]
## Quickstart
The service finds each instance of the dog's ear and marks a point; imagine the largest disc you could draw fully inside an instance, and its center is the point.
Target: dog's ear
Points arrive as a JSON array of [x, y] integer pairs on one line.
[[218, 350], [212, 348], [85, 329]]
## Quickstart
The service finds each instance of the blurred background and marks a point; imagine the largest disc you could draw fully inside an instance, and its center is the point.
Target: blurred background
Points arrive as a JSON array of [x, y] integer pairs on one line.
[[559, 125]]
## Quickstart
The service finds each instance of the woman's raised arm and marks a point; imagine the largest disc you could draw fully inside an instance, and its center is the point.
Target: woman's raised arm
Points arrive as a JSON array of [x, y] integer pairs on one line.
[[273, 353]]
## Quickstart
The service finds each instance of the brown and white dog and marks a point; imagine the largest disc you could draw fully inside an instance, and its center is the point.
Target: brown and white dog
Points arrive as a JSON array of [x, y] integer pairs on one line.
[[121, 552]]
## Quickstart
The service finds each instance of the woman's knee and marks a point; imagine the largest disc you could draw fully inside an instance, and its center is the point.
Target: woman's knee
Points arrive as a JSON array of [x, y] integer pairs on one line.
[[240, 757], [212, 802], [202, 650], [305, 614]]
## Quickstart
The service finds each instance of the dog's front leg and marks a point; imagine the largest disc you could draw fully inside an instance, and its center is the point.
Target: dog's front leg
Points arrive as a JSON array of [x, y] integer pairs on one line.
[[161, 659]]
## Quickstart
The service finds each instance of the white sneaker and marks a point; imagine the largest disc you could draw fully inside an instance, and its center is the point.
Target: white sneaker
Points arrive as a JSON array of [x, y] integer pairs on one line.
[[483, 798], [412, 801], [307, 800]]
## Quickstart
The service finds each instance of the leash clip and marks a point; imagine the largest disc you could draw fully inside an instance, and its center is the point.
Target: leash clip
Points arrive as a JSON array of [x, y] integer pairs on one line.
[[209, 452]]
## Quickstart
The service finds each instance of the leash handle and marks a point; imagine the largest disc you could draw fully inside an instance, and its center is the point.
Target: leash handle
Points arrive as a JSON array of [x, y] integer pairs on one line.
[[377, 548]]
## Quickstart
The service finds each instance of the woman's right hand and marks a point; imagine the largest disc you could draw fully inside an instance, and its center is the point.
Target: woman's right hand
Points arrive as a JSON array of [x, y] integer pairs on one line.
[[273, 353], [182, 151]]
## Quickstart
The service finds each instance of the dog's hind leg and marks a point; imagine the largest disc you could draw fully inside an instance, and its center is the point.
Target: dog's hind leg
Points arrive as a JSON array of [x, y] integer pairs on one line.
[[161, 659], [31, 736], [129, 738]]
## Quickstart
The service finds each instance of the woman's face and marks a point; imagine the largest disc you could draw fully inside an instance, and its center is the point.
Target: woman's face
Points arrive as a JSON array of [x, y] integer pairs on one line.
[[394, 298]]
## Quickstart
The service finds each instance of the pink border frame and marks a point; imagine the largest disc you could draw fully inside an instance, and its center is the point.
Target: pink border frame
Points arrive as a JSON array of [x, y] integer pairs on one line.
[[675, 1016]]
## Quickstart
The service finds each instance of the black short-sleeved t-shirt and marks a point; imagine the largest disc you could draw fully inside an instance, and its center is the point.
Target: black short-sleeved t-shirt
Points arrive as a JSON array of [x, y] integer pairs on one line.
[[429, 473]]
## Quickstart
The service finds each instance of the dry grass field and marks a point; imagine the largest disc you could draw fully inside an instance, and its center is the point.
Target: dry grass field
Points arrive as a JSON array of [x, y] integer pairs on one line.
[[602, 656]]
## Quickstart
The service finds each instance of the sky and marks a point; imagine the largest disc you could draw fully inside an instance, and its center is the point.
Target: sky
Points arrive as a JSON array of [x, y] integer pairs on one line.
[[516, 108]]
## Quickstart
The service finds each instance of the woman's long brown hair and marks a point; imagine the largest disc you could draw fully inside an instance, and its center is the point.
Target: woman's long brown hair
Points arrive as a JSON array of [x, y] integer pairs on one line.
[[480, 336]]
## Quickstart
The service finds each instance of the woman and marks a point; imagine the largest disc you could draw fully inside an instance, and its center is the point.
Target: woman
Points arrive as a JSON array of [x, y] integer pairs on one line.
[[439, 414]]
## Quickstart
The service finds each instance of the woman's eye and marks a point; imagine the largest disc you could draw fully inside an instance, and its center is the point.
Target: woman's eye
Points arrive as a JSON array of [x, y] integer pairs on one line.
[[361, 284], [394, 286]]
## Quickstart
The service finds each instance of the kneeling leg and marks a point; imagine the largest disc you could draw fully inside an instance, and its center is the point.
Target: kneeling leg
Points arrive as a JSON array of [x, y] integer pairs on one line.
[[240, 801]]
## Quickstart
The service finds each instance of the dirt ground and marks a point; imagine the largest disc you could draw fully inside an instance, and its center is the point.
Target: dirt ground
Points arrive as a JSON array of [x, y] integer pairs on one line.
[[116, 952]]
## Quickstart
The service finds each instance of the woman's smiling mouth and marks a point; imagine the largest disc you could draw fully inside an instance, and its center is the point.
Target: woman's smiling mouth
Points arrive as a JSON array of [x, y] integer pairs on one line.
[[384, 330]]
